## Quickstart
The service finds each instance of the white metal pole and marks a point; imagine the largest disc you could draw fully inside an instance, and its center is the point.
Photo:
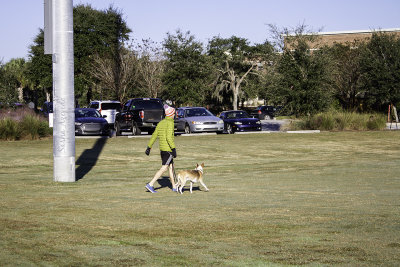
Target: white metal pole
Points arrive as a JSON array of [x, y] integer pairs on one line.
[[63, 91]]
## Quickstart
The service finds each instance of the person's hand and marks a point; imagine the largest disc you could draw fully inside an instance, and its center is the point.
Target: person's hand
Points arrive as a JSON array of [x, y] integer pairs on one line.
[[174, 152], [147, 151]]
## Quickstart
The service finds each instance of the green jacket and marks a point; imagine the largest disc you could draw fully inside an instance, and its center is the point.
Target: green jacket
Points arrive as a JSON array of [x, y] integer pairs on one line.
[[165, 134]]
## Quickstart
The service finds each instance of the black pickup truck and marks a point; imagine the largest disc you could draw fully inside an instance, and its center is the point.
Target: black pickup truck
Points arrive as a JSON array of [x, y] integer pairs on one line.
[[139, 114]]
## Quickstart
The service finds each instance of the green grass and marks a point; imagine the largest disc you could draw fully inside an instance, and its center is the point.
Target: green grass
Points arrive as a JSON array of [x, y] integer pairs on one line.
[[275, 199]]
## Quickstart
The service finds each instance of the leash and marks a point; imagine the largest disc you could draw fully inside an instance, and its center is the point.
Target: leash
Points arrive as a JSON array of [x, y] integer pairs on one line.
[[173, 169]]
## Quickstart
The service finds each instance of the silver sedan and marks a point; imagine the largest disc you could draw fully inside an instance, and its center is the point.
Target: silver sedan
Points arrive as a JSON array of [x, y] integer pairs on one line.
[[197, 119]]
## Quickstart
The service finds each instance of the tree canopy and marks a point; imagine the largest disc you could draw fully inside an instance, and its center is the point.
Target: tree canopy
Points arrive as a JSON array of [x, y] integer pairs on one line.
[[380, 68], [187, 72], [100, 33]]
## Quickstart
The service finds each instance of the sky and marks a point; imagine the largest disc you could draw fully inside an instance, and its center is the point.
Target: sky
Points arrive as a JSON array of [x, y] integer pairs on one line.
[[20, 20]]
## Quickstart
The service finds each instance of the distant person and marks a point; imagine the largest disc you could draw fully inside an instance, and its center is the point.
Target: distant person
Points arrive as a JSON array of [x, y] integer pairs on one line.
[[165, 134]]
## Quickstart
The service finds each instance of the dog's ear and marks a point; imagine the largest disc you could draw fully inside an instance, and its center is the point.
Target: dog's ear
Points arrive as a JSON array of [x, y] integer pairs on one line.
[[202, 165], [197, 165]]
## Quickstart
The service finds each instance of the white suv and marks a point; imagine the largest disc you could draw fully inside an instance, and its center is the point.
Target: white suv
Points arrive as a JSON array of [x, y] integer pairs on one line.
[[107, 107]]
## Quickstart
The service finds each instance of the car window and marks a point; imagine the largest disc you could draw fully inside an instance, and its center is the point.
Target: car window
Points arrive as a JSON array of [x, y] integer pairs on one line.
[[87, 113], [180, 113], [237, 115], [126, 106], [269, 108], [107, 106], [94, 105], [230, 115], [196, 112], [242, 114], [146, 104]]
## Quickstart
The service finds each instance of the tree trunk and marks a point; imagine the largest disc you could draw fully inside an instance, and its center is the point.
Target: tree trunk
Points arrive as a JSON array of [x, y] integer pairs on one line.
[[235, 90], [20, 94], [48, 96]]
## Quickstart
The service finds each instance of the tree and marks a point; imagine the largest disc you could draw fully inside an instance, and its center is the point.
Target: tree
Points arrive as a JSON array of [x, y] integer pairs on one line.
[[115, 78], [302, 82], [346, 74], [7, 88], [96, 33], [39, 68], [235, 60], [380, 67], [187, 74], [150, 68], [102, 34], [14, 80]]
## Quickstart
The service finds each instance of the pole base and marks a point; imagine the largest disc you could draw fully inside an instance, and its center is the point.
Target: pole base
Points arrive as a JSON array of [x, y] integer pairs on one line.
[[64, 169]]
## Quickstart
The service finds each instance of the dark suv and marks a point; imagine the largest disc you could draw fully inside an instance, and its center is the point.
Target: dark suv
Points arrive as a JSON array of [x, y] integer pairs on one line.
[[139, 114], [263, 112], [47, 108]]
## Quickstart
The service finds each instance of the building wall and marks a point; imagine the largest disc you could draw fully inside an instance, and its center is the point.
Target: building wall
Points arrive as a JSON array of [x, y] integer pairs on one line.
[[330, 38]]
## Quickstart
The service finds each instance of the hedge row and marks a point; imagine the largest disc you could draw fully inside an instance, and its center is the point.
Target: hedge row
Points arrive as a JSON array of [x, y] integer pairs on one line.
[[342, 121], [22, 124]]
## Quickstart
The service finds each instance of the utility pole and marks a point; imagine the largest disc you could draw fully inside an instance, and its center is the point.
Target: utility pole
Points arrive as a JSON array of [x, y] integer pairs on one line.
[[58, 29]]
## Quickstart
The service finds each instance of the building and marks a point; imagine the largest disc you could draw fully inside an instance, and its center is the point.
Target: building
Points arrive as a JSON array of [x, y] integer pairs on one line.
[[330, 38]]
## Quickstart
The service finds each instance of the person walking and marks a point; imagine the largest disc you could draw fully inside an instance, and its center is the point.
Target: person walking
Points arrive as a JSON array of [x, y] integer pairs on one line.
[[165, 134]]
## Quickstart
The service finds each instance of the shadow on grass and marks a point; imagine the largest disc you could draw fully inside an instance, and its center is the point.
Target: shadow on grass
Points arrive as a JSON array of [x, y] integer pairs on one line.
[[88, 158]]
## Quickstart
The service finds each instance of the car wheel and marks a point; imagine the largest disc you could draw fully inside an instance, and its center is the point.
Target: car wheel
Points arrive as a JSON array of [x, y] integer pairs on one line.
[[187, 129], [267, 117], [135, 129], [229, 129], [117, 129]]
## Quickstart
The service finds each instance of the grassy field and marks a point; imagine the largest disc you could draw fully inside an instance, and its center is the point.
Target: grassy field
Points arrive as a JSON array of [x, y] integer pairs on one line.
[[275, 199]]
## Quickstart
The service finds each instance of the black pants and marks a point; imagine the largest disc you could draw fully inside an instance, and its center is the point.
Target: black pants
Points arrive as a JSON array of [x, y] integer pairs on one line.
[[166, 158]]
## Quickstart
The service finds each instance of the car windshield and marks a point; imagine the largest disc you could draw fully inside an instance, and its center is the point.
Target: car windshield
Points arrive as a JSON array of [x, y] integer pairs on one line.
[[87, 113], [237, 115], [197, 112], [107, 106]]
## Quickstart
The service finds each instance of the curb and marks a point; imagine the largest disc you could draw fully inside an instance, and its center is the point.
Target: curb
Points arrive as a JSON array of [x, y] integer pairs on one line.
[[304, 131]]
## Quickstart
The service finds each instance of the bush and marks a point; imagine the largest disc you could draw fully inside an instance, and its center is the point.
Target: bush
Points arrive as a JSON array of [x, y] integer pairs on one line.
[[23, 124], [33, 127], [376, 123], [9, 129], [342, 121]]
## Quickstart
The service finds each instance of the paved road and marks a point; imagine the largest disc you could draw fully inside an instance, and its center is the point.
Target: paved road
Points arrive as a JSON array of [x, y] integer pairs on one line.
[[273, 125], [267, 126]]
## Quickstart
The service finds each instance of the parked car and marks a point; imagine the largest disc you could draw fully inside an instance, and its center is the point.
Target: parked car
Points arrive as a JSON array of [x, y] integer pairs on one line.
[[110, 108], [263, 112], [89, 121], [238, 120], [139, 114], [197, 119], [47, 108]]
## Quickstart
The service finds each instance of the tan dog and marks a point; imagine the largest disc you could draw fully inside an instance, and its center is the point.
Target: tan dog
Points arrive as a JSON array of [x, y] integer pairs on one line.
[[193, 176]]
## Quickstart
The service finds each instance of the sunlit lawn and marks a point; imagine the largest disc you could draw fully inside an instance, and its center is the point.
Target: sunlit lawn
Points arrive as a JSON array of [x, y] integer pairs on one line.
[[275, 199]]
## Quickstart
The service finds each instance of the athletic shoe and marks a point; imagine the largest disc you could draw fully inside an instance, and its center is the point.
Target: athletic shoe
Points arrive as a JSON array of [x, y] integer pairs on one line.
[[174, 190], [150, 188]]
